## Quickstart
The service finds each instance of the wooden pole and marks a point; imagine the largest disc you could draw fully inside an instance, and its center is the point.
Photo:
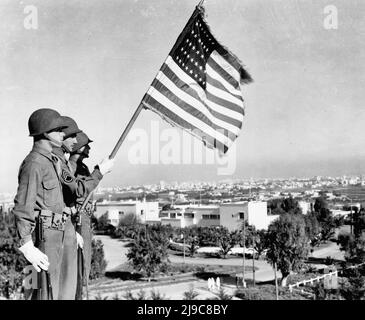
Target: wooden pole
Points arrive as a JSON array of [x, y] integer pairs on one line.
[[253, 267], [243, 253], [126, 131], [184, 248]]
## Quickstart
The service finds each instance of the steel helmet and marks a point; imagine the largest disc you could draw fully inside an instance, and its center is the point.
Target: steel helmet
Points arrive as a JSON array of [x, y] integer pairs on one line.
[[82, 140], [44, 120], [72, 127]]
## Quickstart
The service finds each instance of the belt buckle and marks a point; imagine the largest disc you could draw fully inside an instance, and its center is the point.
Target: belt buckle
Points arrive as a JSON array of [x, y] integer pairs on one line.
[[56, 222]]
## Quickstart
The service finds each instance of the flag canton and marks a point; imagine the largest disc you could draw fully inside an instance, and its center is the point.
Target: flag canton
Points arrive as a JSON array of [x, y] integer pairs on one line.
[[194, 49]]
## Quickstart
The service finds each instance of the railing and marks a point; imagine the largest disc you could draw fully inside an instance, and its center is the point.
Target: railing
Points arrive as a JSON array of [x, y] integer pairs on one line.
[[312, 280]]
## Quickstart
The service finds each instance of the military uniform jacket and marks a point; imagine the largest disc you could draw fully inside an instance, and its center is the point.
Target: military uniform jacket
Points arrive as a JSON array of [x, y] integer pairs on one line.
[[39, 189], [90, 180], [72, 187]]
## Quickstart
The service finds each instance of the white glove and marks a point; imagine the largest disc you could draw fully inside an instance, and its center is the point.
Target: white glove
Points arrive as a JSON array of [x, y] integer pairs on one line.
[[36, 257], [106, 165], [80, 240]]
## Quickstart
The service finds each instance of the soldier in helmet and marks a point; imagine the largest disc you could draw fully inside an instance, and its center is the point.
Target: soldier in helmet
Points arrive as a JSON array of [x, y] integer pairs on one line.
[[74, 189], [39, 196], [79, 152]]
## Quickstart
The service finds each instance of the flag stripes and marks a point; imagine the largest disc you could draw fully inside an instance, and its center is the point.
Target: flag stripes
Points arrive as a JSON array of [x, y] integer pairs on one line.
[[198, 88]]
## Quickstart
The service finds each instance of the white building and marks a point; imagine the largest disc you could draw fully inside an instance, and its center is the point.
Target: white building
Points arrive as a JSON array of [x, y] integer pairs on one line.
[[229, 215], [254, 212], [116, 210], [188, 215]]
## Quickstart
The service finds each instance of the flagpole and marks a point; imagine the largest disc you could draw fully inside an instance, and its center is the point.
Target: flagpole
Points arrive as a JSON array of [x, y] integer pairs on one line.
[[126, 131]]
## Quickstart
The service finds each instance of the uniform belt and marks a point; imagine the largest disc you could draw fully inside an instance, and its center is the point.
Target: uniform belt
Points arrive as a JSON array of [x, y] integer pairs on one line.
[[53, 220], [88, 210]]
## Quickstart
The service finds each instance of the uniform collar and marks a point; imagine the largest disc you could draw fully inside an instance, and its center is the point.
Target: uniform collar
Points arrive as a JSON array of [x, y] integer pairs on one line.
[[58, 151], [43, 149]]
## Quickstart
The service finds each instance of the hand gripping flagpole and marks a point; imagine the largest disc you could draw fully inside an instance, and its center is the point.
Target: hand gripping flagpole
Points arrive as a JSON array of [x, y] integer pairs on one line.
[[117, 146]]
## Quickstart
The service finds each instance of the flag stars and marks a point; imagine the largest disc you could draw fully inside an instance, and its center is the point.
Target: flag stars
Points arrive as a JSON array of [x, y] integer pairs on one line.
[[191, 71]]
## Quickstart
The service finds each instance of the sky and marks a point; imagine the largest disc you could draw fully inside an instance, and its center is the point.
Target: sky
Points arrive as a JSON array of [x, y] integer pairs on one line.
[[94, 60]]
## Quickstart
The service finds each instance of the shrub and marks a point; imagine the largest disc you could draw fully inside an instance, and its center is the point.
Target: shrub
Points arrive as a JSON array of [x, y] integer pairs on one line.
[[98, 263], [12, 261], [191, 294], [329, 261], [156, 295], [148, 252], [141, 295], [222, 295]]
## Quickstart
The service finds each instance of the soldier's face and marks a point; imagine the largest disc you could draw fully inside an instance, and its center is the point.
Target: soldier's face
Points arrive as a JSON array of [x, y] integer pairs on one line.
[[56, 136], [85, 151], [70, 142]]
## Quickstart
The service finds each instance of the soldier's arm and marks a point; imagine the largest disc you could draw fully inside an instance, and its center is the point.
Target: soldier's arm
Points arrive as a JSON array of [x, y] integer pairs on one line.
[[25, 200], [90, 180]]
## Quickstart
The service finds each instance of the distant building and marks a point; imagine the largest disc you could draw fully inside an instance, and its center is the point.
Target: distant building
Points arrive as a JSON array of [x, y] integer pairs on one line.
[[204, 215], [254, 212], [144, 211], [189, 215]]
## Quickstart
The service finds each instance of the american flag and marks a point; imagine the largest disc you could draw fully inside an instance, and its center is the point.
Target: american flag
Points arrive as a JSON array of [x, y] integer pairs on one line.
[[198, 88]]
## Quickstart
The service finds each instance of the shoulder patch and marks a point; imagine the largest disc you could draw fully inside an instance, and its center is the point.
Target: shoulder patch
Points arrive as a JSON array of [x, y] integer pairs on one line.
[[66, 176]]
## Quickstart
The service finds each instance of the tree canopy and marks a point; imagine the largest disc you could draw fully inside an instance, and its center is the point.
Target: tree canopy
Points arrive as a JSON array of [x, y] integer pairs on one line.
[[287, 244]]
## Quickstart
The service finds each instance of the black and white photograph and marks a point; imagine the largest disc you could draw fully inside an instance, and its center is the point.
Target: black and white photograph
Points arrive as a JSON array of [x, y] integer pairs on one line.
[[200, 151]]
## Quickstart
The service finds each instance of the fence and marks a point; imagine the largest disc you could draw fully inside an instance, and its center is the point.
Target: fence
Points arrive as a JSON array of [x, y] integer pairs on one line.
[[319, 278]]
